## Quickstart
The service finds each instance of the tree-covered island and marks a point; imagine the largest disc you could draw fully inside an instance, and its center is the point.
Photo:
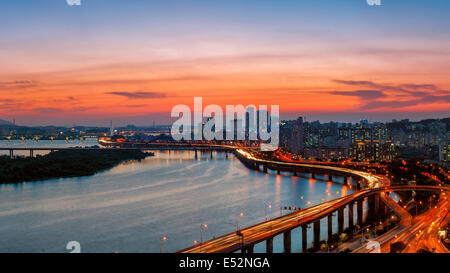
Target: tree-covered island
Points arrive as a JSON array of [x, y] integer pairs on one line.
[[64, 163]]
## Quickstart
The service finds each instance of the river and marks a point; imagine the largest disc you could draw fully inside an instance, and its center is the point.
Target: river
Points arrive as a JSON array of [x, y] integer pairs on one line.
[[131, 206]]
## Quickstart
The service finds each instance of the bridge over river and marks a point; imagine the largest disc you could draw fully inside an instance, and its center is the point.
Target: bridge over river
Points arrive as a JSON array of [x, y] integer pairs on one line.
[[148, 147], [376, 190], [372, 187]]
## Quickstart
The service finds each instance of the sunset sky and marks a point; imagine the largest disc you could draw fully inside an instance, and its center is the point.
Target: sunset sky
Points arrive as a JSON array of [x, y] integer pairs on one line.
[[132, 61]]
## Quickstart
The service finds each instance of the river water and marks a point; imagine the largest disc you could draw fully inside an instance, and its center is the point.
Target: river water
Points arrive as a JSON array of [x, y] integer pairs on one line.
[[131, 206]]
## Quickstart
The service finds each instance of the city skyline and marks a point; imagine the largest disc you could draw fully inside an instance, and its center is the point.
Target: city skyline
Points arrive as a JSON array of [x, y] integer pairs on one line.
[[322, 59], [122, 123], [236, 127]]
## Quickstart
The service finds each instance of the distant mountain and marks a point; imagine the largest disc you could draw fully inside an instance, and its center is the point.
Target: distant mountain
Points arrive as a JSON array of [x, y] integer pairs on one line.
[[4, 122]]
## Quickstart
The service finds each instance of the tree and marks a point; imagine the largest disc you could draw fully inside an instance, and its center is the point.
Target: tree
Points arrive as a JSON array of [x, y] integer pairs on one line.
[[397, 247]]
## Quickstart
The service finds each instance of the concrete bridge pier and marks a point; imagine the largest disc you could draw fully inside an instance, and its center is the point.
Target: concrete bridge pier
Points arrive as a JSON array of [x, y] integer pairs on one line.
[[294, 172], [386, 209], [340, 221], [278, 170], [31, 153], [304, 238], [359, 211], [226, 154], [211, 154], [287, 241], [371, 200], [196, 154], [11, 153], [346, 181], [350, 214], [330, 227], [265, 168], [317, 233], [248, 249], [377, 204], [313, 175], [269, 245], [330, 178], [382, 210]]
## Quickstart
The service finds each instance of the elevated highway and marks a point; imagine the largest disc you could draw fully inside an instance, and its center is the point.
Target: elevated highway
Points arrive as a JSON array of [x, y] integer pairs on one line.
[[372, 187], [421, 233], [283, 225], [149, 147], [376, 191]]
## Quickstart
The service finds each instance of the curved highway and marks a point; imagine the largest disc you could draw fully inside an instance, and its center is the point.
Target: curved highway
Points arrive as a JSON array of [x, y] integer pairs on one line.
[[252, 235]]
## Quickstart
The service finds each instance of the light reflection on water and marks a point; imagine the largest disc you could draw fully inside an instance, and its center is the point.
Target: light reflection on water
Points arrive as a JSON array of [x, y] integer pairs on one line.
[[30, 143], [128, 208]]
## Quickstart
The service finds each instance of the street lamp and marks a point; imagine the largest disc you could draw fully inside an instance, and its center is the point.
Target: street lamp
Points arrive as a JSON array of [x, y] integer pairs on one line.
[[203, 226], [300, 202], [161, 240], [237, 220], [267, 207], [238, 233]]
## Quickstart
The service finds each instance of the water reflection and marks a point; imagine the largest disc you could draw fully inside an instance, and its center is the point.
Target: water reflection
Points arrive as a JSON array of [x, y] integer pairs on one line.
[[129, 208]]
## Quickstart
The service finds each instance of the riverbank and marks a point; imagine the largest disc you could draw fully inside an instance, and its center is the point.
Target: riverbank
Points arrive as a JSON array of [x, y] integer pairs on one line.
[[169, 194], [61, 164]]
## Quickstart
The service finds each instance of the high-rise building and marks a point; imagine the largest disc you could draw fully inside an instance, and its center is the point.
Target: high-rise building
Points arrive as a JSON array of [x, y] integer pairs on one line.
[[444, 149], [262, 121], [300, 136], [292, 136], [373, 151], [251, 125], [111, 128]]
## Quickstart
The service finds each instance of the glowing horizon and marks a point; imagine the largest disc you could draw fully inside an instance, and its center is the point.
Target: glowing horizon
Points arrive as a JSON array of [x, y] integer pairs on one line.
[[134, 60]]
